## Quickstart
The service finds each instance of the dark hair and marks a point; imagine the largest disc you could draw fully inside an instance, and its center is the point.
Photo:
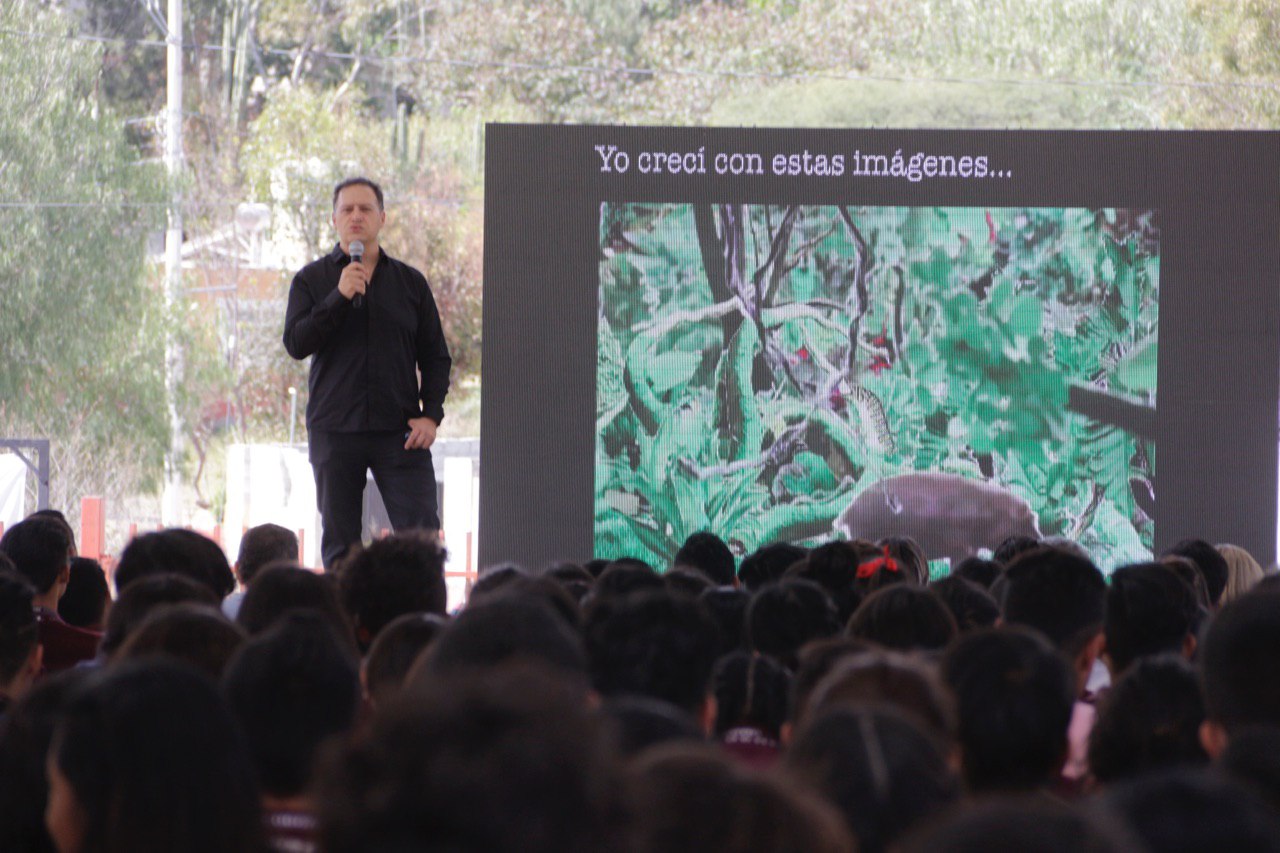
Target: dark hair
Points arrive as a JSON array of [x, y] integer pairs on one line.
[[176, 551], [1186, 568], [1150, 718], [1211, 564], [1149, 610], [402, 573], [909, 556], [881, 770], [623, 577], [264, 544], [769, 563], [750, 690], [727, 606], [1238, 667], [19, 631], [815, 661], [686, 581], [783, 616], [279, 589], [358, 182], [980, 571], [534, 588], [575, 579], [1014, 694], [970, 603], [1060, 594], [639, 722], [1018, 823], [694, 798], [1252, 757], [1193, 809], [652, 643], [394, 651], [144, 595], [84, 602], [892, 679], [158, 763], [494, 579], [25, 735], [510, 759], [707, 553], [1011, 547], [904, 617], [834, 567], [58, 516], [292, 687], [38, 547], [198, 634], [500, 630]]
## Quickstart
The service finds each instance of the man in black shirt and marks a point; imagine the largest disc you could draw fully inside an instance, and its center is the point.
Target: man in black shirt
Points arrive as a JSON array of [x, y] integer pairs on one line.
[[372, 329]]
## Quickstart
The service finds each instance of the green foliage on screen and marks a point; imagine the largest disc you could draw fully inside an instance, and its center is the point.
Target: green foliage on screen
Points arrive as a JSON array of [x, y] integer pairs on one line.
[[728, 397]]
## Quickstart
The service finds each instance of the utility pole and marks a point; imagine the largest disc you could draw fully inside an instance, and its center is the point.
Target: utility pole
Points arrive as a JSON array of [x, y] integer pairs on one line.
[[171, 508]]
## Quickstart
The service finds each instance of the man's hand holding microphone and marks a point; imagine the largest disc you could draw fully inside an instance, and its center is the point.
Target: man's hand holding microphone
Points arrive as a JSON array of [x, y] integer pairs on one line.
[[355, 277]]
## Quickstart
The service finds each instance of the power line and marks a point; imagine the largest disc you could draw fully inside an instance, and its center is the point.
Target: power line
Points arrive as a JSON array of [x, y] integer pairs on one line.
[[632, 71]]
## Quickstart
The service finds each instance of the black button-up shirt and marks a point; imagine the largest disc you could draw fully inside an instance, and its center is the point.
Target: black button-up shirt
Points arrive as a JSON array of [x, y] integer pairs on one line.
[[365, 361]]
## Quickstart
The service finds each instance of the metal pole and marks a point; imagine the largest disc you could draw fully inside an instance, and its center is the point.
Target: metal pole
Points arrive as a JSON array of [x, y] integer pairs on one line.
[[293, 411], [171, 510]]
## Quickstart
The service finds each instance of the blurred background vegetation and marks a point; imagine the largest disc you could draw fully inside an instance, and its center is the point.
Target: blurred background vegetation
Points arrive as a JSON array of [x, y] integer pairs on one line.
[[284, 97]]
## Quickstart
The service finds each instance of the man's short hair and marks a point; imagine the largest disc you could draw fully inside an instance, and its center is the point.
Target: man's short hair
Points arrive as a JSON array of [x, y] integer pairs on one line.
[[655, 643], [707, 553], [783, 616], [143, 596], [906, 617], [38, 547], [1150, 610], [769, 563], [85, 600], [402, 573], [500, 630], [280, 588], [176, 550], [1014, 694], [19, 631], [264, 544], [358, 181], [1238, 665], [1060, 594]]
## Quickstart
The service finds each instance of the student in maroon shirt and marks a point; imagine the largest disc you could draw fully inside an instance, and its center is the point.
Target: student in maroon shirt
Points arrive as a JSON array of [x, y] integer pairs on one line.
[[40, 548]]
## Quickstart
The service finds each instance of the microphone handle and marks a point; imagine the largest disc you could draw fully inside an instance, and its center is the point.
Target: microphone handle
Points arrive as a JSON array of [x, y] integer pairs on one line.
[[357, 301]]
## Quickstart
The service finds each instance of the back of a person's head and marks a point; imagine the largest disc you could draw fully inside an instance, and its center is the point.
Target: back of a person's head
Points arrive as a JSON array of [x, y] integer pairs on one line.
[[38, 547], [769, 563], [1243, 571], [534, 588], [143, 596], [904, 682], [687, 581], [709, 554], [1149, 611], [494, 579], [402, 573], [1149, 719], [573, 578], [834, 567], [636, 723], [292, 687], [1014, 697], [1238, 665], [179, 551], [155, 761], [1014, 546], [750, 690], [394, 651], [197, 634], [904, 617], [498, 631], [510, 759], [1060, 594], [909, 556], [815, 661], [1252, 758], [279, 589], [19, 632], [1211, 564], [783, 616], [1016, 824], [84, 603], [727, 606], [1185, 810], [981, 571], [970, 603], [264, 544], [691, 798], [883, 771], [653, 643], [623, 577]]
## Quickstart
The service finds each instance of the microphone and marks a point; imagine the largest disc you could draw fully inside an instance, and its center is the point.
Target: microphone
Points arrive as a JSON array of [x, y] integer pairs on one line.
[[356, 250]]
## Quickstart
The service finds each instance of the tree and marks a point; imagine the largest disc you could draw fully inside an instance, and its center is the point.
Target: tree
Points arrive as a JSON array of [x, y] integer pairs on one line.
[[81, 357]]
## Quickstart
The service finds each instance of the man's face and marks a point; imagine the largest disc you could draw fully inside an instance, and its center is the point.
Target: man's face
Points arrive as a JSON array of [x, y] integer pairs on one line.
[[356, 215]]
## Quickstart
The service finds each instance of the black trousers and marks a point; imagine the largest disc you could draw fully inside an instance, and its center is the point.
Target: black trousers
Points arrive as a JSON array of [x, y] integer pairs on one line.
[[405, 478]]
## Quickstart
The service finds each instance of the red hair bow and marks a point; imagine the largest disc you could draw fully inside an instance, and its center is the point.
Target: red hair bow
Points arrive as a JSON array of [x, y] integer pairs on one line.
[[868, 569]]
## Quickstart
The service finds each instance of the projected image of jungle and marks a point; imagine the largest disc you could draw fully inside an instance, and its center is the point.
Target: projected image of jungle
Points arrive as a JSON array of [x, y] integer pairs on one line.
[[958, 375]]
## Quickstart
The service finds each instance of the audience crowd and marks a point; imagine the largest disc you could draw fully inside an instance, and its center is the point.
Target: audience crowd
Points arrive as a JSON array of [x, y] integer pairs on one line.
[[832, 699]]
